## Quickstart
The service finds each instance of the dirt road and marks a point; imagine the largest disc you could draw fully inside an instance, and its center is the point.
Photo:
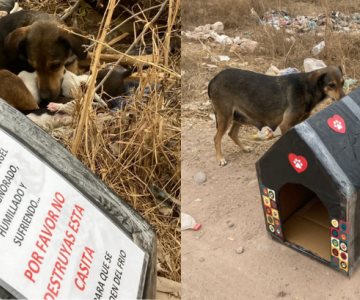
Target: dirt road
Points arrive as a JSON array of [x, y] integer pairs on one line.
[[228, 207]]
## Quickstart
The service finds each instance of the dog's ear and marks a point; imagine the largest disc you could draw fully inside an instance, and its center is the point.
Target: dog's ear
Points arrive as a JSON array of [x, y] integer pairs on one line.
[[15, 43], [75, 41], [317, 78]]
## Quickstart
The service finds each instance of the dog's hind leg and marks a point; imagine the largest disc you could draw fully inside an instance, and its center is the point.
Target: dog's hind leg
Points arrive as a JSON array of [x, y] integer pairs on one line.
[[222, 124], [233, 134]]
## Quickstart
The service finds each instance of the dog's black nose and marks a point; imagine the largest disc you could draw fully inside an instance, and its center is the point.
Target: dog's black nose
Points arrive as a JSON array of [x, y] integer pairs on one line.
[[45, 95]]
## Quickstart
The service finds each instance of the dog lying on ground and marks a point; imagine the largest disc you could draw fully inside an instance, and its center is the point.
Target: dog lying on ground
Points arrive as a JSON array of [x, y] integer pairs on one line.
[[34, 41], [116, 85], [244, 97], [70, 85], [56, 115], [14, 92]]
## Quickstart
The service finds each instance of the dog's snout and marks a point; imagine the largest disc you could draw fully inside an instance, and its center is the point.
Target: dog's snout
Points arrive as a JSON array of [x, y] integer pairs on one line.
[[45, 95]]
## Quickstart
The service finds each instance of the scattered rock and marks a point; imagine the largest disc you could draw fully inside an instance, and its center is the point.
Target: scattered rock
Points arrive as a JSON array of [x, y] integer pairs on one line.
[[213, 32], [218, 27], [231, 225], [201, 259], [240, 250], [200, 177], [281, 294], [248, 45]]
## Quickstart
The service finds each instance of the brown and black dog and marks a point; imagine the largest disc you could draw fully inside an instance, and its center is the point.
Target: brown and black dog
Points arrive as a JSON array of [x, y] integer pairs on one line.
[[14, 92], [35, 41], [244, 97]]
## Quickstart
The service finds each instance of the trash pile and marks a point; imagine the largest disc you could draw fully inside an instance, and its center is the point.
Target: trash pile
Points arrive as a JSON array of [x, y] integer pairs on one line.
[[337, 20], [215, 32]]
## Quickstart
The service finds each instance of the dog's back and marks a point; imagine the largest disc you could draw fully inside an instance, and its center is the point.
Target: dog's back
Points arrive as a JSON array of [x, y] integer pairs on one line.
[[248, 96]]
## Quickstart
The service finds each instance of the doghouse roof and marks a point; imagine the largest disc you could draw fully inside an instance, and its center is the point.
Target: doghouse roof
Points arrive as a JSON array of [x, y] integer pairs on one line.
[[321, 153]]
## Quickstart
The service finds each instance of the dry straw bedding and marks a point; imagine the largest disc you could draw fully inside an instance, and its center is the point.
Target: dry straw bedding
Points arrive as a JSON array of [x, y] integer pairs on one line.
[[135, 151]]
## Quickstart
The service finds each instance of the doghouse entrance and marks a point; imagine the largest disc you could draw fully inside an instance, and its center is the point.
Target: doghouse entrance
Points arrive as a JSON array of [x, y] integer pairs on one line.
[[305, 219]]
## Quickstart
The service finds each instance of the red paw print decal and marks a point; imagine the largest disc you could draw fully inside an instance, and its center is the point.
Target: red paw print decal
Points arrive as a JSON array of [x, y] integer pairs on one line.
[[299, 163], [337, 124]]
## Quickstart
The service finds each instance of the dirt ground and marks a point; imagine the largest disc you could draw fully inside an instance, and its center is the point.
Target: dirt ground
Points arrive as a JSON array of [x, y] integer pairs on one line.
[[232, 256]]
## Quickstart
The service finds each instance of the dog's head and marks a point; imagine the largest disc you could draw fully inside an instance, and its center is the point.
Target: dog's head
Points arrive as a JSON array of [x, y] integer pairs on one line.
[[48, 49], [330, 81]]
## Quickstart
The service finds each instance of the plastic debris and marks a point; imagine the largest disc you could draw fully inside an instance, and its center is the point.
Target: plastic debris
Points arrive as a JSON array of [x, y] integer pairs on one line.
[[223, 58], [318, 48], [288, 71], [266, 134], [188, 222], [337, 20], [348, 83], [312, 64], [274, 71]]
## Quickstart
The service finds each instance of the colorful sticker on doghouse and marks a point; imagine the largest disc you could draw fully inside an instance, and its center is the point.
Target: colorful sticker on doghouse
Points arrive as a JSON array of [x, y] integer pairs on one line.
[[271, 194], [298, 162], [344, 227], [335, 223], [339, 247], [266, 201], [271, 212], [337, 124]]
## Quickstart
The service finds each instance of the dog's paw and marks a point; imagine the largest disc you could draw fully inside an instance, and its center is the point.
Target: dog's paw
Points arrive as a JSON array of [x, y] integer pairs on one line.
[[222, 162], [54, 107], [247, 149]]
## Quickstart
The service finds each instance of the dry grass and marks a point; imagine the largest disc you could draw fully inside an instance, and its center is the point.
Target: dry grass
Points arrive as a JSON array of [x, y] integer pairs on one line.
[[341, 48], [136, 151], [236, 13]]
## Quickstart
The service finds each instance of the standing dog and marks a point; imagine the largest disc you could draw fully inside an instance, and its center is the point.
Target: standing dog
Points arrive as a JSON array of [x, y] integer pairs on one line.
[[244, 97], [34, 41]]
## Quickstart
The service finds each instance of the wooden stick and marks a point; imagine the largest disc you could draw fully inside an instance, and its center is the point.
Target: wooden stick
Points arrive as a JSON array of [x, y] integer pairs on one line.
[[126, 59], [90, 91], [70, 10], [118, 38]]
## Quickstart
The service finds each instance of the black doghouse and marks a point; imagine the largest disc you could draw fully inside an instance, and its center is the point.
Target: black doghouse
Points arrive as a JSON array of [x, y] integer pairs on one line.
[[309, 183]]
